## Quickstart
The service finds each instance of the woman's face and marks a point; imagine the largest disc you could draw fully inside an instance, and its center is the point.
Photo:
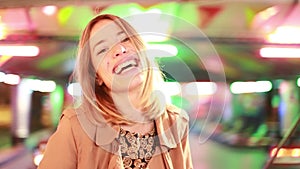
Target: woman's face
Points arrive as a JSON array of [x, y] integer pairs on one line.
[[114, 57]]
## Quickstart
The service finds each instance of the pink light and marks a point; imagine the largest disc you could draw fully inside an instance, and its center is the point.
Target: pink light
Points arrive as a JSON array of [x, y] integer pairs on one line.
[[49, 10], [26, 51], [272, 52]]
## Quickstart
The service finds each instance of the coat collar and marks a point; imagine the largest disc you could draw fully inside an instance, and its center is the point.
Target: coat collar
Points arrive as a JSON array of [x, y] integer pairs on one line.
[[170, 127]]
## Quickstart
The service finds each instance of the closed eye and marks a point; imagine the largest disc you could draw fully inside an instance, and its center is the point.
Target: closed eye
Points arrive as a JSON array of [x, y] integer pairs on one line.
[[125, 39], [102, 51]]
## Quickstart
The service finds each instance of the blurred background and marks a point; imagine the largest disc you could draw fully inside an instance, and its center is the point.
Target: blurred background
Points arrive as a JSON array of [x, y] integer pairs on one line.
[[232, 65]]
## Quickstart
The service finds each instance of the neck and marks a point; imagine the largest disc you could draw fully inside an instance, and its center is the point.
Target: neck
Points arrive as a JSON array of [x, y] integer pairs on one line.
[[128, 104], [141, 128]]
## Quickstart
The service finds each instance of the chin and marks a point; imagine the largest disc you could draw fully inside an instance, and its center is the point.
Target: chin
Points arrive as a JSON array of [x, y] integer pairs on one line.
[[137, 82], [129, 83]]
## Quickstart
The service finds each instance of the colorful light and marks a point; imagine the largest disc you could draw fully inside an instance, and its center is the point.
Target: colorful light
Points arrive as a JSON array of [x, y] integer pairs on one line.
[[156, 23], [295, 152], [4, 59], [3, 30], [272, 52], [285, 152], [26, 51], [49, 10], [41, 85], [200, 88], [263, 16], [37, 159], [64, 14], [171, 88], [74, 89], [285, 35], [250, 87], [12, 79], [154, 38], [161, 50], [2, 77]]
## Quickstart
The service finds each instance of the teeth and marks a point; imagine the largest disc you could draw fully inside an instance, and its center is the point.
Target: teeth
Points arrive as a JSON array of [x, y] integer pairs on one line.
[[125, 65]]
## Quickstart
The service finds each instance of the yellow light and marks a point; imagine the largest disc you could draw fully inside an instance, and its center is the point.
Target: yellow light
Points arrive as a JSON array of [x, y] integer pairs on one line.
[[4, 59], [2, 31], [285, 34], [296, 152], [269, 13], [282, 152], [286, 152]]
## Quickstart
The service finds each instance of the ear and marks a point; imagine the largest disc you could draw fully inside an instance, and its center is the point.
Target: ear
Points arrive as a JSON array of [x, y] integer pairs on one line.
[[99, 80]]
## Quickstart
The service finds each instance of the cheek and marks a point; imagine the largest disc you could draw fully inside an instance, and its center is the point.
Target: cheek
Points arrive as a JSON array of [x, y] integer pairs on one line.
[[130, 47], [105, 74]]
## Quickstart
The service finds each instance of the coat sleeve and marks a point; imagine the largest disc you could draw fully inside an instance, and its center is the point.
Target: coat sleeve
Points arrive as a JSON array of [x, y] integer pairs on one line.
[[61, 150], [181, 155], [187, 152]]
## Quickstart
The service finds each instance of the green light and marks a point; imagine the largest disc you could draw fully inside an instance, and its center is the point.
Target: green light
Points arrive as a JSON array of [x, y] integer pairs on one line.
[[64, 14], [250, 14], [134, 8], [57, 100], [275, 101], [192, 16], [123, 10], [56, 59], [68, 17], [180, 102], [247, 63]]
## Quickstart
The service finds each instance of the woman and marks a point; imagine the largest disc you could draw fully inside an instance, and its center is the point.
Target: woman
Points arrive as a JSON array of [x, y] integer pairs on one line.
[[122, 120]]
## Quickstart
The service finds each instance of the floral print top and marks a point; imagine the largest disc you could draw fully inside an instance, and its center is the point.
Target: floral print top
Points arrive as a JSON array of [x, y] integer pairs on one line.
[[136, 149]]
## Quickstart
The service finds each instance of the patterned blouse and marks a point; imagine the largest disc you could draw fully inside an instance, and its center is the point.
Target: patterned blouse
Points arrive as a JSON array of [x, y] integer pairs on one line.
[[136, 149]]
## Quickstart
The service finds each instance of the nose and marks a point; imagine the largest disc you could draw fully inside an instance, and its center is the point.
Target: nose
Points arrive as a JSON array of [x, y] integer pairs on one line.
[[120, 49]]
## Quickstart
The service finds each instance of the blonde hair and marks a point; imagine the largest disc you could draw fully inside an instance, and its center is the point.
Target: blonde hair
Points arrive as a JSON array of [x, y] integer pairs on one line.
[[96, 99]]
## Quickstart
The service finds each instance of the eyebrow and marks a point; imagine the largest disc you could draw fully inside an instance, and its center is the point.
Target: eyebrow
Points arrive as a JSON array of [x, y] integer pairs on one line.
[[101, 41], [121, 32]]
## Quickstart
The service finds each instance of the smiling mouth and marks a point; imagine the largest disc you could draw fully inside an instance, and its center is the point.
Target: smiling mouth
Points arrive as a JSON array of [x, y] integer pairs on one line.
[[125, 66]]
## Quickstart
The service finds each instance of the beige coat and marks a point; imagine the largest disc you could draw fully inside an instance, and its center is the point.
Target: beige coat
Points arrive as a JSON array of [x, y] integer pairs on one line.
[[70, 147]]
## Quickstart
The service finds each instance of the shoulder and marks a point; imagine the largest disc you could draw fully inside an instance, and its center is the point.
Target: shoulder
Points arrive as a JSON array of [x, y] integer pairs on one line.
[[172, 126], [175, 112], [69, 121], [175, 118], [68, 113]]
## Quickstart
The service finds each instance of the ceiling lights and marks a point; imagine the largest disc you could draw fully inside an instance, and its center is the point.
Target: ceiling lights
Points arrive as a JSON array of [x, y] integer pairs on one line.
[[250, 87], [279, 52], [26, 51]]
